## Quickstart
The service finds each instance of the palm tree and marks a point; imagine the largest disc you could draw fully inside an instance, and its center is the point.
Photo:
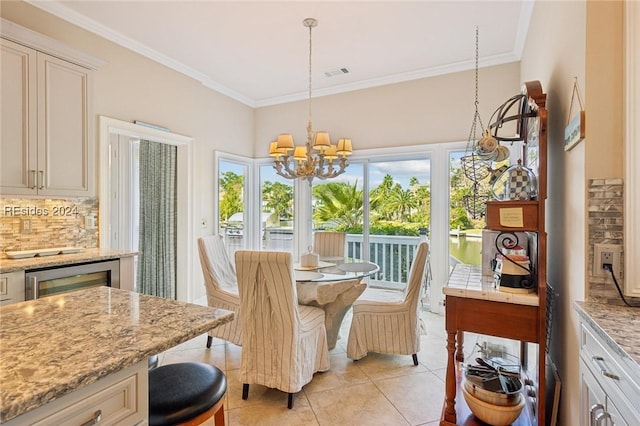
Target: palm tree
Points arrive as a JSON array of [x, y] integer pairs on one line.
[[402, 203], [339, 205]]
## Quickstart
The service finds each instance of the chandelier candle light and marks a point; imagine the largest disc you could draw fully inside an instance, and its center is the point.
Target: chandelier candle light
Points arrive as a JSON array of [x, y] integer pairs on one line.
[[317, 157]]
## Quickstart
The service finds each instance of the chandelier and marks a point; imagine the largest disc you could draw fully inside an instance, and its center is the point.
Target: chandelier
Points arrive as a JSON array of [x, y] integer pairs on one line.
[[318, 157]]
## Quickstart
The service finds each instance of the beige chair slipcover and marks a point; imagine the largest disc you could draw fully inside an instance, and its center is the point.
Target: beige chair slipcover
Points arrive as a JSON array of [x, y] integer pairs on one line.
[[221, 286], [386, 321], [283, 343], [329, 245]]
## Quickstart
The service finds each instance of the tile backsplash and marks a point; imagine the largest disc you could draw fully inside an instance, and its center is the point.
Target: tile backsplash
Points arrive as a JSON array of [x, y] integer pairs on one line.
[[28, 224], [606, 225]]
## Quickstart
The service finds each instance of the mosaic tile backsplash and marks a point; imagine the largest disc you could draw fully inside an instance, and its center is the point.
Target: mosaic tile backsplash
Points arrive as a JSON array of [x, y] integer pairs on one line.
[[606, 225], [29, 224]]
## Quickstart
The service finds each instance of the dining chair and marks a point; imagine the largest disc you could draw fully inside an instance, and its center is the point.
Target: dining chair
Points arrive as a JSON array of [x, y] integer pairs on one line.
[[329, 245], [386, 321], [221, 286], [283, 343]]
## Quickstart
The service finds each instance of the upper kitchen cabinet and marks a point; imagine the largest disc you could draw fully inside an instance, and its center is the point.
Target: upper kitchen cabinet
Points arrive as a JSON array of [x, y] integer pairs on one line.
[[47, 142]]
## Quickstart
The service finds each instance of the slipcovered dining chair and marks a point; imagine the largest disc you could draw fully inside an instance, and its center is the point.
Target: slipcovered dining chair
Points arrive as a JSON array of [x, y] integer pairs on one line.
[[221, 286], [329, 245], [386, 321], [283, 343]]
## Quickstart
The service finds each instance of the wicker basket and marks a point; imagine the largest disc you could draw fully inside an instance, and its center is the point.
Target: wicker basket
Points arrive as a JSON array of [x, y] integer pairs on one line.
[[492, 414]]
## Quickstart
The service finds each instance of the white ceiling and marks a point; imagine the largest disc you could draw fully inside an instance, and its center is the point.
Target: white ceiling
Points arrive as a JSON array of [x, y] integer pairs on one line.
[[257, 52]]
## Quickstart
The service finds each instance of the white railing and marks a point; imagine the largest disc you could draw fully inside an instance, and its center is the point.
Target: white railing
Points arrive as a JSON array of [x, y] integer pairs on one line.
[[392, 253]]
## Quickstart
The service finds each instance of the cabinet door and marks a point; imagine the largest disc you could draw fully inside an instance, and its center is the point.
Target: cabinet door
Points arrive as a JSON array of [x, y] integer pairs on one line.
[[18, 137], [594, 399], [65, 160]]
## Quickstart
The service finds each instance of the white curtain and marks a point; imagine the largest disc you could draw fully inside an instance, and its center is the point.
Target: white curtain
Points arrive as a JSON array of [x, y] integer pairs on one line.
[[157, 236]]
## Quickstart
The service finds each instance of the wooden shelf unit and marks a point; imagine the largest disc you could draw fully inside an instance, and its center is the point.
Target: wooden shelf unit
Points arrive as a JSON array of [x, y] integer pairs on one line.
[[503, 319]]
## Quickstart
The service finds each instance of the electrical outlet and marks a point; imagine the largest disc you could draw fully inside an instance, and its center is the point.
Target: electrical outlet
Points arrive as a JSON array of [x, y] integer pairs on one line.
[[26, 226], [606, 253]]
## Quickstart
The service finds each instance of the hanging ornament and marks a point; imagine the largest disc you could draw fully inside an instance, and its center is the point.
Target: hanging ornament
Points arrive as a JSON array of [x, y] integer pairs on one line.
[[473, 165]]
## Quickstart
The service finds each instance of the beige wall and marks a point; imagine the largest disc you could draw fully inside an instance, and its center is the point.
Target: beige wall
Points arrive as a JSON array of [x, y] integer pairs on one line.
[[131, 87], [430, 110], [566, 39], [583, 40]]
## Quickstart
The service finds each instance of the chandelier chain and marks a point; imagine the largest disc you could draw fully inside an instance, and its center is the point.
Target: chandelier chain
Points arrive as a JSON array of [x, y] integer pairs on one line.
[[310, 129]]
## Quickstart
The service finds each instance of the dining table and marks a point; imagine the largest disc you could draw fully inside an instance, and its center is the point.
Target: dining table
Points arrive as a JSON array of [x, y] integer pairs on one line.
[[333, 287]]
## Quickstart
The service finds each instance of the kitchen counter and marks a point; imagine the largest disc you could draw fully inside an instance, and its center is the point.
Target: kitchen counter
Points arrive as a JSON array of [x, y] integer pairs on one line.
[[52, 346], [88, 255], [616, 325], [468, 282]]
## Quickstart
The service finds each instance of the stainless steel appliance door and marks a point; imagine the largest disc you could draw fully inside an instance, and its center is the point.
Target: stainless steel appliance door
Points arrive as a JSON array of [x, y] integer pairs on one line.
[[47, 282]]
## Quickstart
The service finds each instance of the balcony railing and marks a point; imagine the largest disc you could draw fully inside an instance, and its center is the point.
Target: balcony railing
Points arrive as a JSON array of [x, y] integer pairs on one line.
[[393, 254]]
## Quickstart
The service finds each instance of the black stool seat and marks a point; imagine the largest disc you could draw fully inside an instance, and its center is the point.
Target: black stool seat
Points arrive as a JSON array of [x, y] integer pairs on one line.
[[180, 392]]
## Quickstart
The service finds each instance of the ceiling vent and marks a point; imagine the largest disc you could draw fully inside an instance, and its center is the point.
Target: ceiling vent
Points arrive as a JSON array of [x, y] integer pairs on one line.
[[337, 71]]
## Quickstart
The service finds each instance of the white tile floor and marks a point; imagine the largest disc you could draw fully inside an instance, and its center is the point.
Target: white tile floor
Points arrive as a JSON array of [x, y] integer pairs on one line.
[[377, 390]]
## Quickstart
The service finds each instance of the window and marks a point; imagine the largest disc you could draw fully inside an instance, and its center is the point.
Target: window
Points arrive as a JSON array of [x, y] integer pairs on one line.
[[383, 206], [466, 214], [277, 210], [232, 182], [386, 201]]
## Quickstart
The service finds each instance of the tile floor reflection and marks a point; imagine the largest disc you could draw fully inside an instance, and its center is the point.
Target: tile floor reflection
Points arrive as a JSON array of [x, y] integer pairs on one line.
[[377, 390]]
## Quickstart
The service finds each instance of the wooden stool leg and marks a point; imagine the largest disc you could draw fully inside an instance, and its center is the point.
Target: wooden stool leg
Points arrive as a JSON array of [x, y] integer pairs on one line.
[[219, 417]]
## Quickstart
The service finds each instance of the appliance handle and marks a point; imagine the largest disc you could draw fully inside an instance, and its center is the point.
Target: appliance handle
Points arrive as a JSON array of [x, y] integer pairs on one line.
[[34, 287]]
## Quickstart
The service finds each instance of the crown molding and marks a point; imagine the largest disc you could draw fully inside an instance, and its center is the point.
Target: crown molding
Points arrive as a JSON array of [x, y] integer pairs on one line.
[[392, 79], [67, 14], [92, 26], [34, 40]]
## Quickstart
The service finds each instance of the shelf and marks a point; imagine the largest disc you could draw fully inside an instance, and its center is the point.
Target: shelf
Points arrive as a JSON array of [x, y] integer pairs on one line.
[[465, 417]]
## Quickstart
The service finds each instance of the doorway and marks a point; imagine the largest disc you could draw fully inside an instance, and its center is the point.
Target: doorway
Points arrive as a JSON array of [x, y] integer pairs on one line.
[[117, 182]]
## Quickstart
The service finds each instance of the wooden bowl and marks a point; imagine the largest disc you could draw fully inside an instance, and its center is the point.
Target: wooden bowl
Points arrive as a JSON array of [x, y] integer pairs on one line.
[[492, 414]]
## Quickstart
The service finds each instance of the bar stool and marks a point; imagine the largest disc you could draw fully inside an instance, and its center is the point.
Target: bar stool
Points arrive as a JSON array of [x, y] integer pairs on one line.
[[186, 393]]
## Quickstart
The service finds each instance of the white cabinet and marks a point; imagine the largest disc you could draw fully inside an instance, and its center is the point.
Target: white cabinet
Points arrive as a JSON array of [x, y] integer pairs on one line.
[[46, 138], [609, 391], [11, 287], [632, 149], [118, 399]]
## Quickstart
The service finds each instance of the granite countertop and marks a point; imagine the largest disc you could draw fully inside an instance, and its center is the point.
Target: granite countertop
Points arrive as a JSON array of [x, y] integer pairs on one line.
[[618, 326], [467, 281], [52, 346], [88, 255]]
